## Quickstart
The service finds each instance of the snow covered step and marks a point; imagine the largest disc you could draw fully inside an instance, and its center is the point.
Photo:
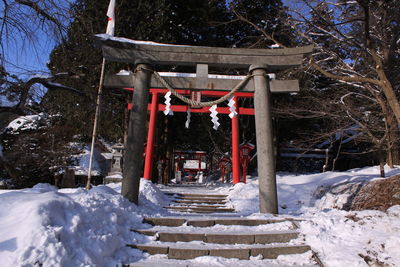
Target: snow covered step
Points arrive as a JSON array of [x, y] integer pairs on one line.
[[205, 201], [279, 226], [158, 261], [199, 209], [207, 222], [196, 195], [188, 186], [202, 205], [223, 238], [200, 198], [243, 252]]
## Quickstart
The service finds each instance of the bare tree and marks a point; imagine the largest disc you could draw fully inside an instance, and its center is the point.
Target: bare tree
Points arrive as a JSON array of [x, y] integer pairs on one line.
[[365, 58], [23, 23], [356, 49]]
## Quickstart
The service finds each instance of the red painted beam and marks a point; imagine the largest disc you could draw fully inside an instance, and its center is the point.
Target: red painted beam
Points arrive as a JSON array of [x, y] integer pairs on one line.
[[203, 92], [182, 108]]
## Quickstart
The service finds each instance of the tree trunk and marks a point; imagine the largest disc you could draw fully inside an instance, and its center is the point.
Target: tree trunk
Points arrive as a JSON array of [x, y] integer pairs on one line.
[[381, 156], [393, 142], [337, 153], [386, 86], [327, 156]]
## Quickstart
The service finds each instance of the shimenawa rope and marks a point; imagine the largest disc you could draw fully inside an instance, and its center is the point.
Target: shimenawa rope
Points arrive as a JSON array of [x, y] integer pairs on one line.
[[196, 103]]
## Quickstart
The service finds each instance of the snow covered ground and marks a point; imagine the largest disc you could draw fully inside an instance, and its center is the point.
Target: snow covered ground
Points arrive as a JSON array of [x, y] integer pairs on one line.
[[44, 226], [341, 238]]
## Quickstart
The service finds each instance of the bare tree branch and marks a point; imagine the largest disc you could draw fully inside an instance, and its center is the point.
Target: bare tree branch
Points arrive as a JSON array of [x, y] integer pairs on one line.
[[264, 33], [41, 12], [356, 79]]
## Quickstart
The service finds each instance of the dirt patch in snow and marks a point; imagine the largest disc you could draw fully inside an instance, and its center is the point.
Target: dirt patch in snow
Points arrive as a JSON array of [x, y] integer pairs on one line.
[[378, 195]]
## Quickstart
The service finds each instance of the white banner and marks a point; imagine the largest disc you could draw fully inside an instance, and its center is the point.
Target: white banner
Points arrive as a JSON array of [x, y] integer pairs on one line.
[[111, 18]]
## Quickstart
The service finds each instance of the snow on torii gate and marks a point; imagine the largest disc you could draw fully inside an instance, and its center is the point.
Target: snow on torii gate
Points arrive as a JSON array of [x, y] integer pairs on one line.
[[258, 61]]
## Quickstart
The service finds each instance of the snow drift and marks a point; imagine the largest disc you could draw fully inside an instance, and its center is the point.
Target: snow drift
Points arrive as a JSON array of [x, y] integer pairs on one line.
[[44, 226]]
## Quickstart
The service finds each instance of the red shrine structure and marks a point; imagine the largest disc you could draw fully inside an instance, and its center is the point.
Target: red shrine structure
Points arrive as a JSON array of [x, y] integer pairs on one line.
[[155, 106]]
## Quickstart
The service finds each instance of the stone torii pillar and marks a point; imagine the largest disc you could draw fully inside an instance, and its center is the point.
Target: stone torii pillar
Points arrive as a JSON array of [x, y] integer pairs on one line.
[[133, 161], [265, 141]]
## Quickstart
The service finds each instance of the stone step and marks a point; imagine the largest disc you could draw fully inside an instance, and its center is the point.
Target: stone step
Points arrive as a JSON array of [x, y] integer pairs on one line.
[[200, 201], [196, 195], [178, 251], [187, 185], [193, 263], [199, 209], [178, 221], [199, 198], [223, 238], [200, 205]]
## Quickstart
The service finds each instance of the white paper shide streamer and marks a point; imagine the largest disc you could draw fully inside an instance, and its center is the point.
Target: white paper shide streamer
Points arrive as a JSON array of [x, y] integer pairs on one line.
[[167, 103], [214, 117], [188, 115], [232, 108]]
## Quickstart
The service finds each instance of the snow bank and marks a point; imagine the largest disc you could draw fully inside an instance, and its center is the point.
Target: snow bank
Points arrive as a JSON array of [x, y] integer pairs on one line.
[[341, 238], [44, 226], [244, 197], [362, 238], [297, 192], [150, 196]]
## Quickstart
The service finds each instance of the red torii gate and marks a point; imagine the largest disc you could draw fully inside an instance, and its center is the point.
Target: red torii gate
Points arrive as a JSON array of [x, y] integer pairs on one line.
[[155, 107]]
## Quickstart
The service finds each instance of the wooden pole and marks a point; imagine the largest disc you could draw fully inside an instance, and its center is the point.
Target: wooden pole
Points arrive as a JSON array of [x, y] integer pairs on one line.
[[148, 162], [235, 146], [96, 121], [265, 143], [133, 159]]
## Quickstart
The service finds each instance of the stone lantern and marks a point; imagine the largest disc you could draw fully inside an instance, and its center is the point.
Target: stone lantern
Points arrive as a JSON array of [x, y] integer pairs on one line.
[[116, 163], [115, 174]]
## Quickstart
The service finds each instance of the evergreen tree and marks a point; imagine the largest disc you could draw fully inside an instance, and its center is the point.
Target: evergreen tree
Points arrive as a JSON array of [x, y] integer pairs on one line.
[[167, 21]]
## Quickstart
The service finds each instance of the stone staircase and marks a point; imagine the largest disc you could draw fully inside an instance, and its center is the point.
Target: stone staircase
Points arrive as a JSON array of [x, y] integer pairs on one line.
[[221, 233], [199, 203]]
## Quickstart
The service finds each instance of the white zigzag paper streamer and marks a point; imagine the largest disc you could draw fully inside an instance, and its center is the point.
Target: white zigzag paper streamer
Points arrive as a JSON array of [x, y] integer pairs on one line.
[[232, 108], [214, 117], [188, 115], [167, 103]]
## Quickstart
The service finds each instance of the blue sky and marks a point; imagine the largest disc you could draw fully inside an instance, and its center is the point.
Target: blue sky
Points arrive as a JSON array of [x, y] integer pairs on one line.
[[26, 57]]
